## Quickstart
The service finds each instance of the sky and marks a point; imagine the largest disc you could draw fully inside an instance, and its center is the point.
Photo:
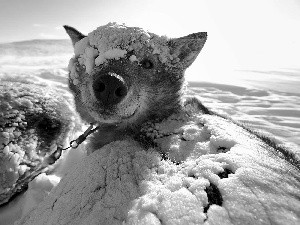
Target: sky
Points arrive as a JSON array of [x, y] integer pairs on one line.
[[242, 35]]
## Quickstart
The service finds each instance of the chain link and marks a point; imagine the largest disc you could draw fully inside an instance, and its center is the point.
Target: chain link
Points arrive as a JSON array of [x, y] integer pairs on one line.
[[73, 144], [51, 159]]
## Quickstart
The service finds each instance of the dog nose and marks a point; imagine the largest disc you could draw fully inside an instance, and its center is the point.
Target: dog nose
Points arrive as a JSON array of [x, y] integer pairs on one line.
[[110, 89]]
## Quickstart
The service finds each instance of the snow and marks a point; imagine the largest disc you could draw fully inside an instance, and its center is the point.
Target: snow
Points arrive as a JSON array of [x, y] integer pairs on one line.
[[110, 54], [80, 46], [133, 58], [12, 151], [114, 41], [40, 186], [22, 205], [38, 189]]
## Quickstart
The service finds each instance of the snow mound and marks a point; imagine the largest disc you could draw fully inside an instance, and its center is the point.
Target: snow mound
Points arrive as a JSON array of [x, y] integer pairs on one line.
[[114, 41], [209, 171]]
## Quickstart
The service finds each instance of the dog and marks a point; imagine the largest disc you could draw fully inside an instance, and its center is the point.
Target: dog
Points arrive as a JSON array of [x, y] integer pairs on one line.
[[123, 76]]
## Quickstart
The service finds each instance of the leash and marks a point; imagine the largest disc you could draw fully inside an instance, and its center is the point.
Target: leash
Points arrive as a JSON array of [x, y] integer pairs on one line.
[[73, 144], [51, 159]]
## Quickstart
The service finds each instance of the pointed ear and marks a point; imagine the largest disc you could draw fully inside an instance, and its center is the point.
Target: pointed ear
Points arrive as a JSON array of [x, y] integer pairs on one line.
[[74, 34], [187, 48]]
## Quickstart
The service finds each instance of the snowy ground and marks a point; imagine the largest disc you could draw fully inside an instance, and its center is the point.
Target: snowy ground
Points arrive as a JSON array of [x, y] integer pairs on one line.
[[265, 100]]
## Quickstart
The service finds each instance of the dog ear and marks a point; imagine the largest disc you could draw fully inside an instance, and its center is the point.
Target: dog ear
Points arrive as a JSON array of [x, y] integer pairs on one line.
[[74, 34], [188, 47]]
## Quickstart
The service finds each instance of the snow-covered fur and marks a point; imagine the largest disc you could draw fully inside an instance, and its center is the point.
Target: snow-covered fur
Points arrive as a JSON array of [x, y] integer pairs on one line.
[[136, 76], [35, 121]]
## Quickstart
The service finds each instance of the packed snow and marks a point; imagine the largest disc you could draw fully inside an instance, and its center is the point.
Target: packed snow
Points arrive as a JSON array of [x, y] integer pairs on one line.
[[273, 109]]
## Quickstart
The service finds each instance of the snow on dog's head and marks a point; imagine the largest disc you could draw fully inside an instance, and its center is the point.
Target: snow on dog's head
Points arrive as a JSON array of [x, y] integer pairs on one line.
[[123, 74]]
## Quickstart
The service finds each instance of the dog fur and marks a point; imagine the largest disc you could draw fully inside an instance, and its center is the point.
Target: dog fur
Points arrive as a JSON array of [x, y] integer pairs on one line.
[[157, 91]]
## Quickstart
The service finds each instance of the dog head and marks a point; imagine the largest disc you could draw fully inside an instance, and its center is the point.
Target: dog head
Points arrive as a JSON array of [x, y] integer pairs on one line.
[[123, 75]]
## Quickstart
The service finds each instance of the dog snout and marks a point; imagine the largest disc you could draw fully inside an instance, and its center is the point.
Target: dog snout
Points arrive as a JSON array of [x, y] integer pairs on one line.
[[110, 89]]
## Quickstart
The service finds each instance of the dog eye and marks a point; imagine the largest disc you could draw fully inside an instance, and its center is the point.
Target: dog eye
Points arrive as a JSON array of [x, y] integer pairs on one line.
[[147, 64]]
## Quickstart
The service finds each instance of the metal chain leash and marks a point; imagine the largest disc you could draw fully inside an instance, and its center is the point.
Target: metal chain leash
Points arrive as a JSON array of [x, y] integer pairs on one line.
[[73, 144], [51, 159]]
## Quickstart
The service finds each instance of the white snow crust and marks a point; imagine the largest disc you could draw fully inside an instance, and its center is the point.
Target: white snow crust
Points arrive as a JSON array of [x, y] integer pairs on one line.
[[122, 183], [38, 189]]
